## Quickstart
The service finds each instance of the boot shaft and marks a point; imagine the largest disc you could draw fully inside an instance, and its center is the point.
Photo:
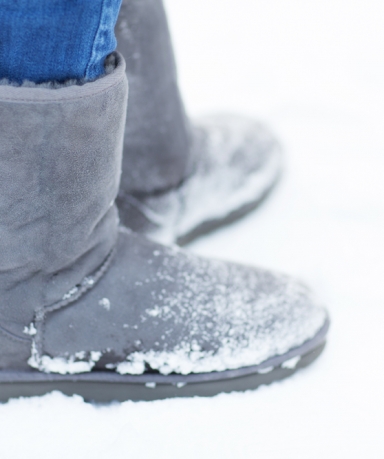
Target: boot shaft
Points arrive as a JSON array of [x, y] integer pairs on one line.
[[60, 164], [157, 138]]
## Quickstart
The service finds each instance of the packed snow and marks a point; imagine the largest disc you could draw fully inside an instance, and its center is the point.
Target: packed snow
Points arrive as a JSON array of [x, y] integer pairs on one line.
[[81, 362], [314, 71]]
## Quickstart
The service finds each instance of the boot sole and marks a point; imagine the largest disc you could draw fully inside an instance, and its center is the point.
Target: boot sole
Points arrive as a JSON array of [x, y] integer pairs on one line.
[[105, 387]]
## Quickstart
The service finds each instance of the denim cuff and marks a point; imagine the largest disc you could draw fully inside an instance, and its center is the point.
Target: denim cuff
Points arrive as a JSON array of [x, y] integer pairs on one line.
[[56, 40]]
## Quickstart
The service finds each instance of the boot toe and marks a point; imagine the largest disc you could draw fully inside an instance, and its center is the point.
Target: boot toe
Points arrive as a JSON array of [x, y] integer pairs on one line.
[[236, 161], [164, 310]]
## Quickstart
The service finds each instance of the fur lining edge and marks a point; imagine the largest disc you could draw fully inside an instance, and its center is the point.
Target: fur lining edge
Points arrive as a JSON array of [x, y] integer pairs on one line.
[[109, 65]]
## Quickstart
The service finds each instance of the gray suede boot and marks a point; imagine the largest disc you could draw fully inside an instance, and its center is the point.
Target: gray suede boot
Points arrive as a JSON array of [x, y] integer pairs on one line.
[[89, 308], [170, 166]]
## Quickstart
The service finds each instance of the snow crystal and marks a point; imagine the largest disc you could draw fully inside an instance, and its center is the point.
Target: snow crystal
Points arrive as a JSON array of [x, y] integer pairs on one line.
[[154, 312], [95, 356], [150, 385], [264, 371], [89, 281], [291, 363], [133, 368], [105, 303], [31, 330], [71, 293]]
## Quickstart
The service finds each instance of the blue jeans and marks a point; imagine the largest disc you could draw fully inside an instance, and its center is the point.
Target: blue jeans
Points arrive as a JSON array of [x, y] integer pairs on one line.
[[46, 40]]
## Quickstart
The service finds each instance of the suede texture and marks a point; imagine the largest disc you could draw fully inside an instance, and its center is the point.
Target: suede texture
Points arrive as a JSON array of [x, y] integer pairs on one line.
[[60, 163], [162, 300], [157, 137], [14, 351]]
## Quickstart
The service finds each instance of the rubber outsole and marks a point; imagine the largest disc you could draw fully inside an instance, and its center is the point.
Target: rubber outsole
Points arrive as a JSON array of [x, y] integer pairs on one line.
[[106, 387]]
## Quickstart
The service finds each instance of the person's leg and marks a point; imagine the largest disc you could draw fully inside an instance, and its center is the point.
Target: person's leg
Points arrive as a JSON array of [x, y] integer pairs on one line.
[[170, 164], [56, 40]]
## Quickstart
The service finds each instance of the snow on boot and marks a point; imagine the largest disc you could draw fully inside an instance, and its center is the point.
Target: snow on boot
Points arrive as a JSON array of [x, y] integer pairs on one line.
[[169, 164], [92, 309]]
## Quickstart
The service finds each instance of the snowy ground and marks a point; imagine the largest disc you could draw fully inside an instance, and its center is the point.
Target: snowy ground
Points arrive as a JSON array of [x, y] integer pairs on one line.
[[315, 71]]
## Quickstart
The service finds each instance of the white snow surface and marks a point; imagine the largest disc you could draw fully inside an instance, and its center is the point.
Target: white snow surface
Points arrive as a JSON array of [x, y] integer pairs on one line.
[[314, 71]]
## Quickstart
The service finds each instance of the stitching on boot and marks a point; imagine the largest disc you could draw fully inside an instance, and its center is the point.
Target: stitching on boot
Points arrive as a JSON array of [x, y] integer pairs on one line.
[[70, 297], [13, 337]]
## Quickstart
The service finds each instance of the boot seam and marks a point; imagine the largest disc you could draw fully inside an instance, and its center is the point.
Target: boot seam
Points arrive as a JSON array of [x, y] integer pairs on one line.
[[12, 336], [71, 297]]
